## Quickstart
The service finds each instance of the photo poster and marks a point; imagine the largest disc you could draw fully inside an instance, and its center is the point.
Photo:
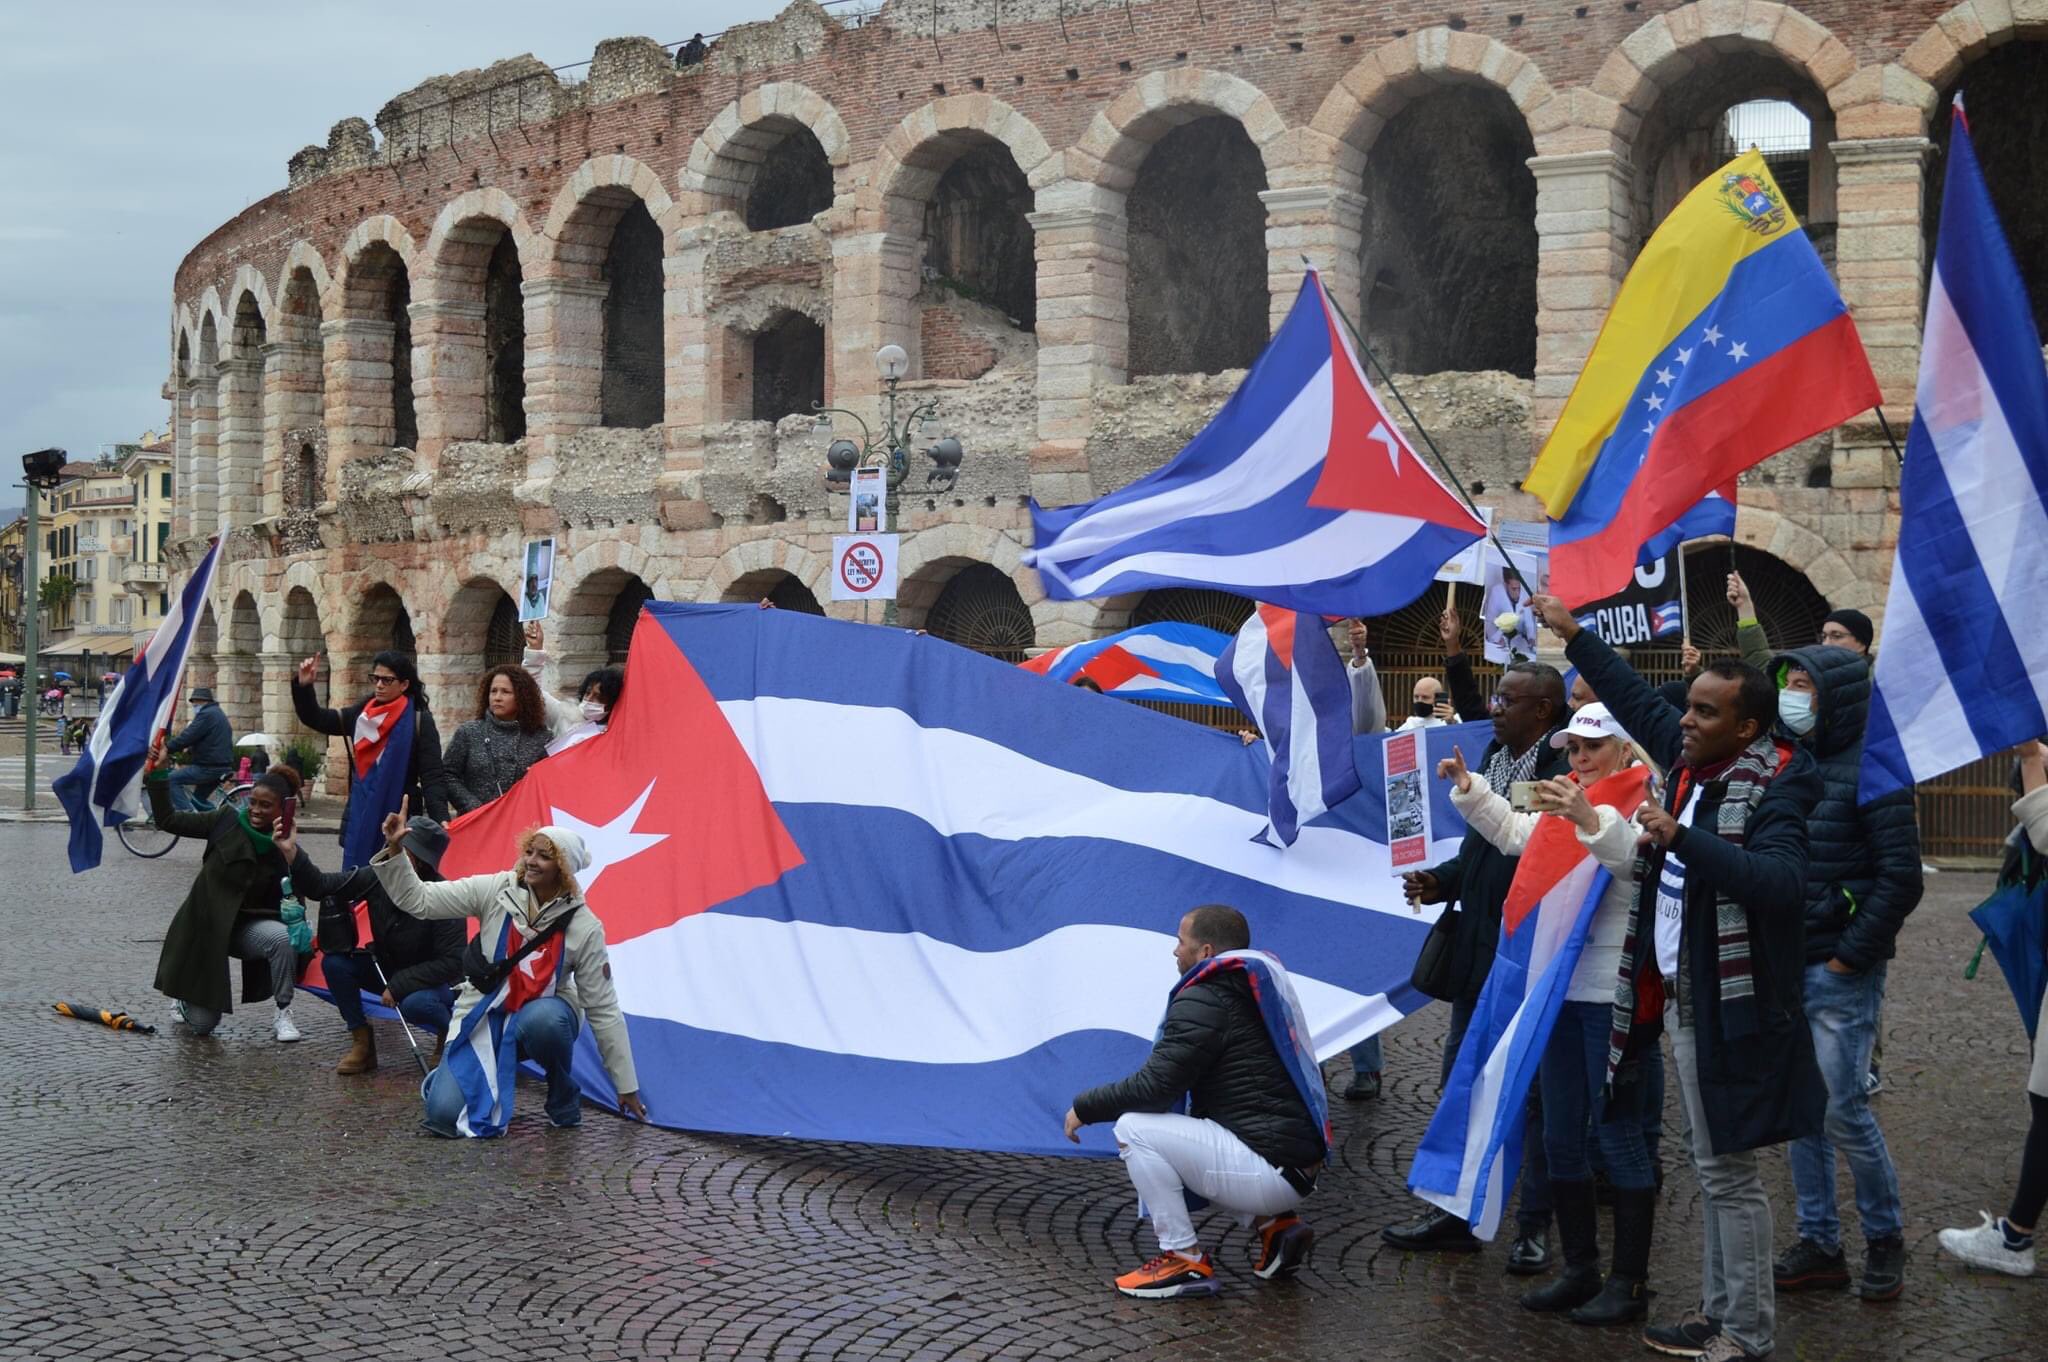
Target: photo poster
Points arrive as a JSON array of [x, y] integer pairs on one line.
[[1407, 802], [1508, 615], [867, 510], [537, 583]]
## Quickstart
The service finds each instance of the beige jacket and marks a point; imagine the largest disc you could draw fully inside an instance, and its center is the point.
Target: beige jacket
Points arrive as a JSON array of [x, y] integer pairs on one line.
[[2031, 809], [583, 979]]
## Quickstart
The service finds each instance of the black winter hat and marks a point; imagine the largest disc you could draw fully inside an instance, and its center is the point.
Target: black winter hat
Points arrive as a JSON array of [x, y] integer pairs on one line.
[[1856, 622]]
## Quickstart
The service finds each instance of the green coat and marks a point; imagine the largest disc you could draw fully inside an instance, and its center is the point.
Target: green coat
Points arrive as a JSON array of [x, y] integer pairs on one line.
[[194, 964]]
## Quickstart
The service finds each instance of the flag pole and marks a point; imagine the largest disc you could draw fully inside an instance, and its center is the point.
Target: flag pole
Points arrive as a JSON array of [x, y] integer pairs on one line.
[[1890, 438], [1420, 429], [1684, 600]]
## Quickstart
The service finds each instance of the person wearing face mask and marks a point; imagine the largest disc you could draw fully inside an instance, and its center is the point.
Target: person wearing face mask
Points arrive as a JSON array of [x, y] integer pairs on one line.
[[489, 754], [571, 724], [1576, 1106], [1863, 878], [535, 971]]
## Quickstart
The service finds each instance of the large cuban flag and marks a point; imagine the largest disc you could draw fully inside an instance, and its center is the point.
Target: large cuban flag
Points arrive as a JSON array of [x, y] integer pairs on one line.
[[1964, 668], [1302, 492], [1165, 661], [1470, 1154], [104, 789], [865, 885]]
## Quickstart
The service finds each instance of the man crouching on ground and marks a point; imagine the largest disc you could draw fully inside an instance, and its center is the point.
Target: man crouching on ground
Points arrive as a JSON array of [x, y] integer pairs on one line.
[[1233, 1053]]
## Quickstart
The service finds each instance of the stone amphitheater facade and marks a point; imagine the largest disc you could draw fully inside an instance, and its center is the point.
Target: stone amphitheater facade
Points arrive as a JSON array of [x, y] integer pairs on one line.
[[531, 306]]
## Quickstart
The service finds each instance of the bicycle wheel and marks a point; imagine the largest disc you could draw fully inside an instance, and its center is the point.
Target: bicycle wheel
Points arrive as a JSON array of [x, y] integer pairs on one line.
[[237, 797], [143, 837]]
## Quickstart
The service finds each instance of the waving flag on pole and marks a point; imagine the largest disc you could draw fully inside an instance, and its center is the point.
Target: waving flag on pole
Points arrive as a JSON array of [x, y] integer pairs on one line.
[[860, 885], [1301, 492], [1727, 343], [104, 789], [1472, 1151], [1963, 616], [1163, 661], [1283, 671]]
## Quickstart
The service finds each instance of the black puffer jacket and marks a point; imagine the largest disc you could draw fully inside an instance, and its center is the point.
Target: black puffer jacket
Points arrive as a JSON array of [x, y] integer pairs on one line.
[[1215, 1047], [1863, 867], [413, 953]]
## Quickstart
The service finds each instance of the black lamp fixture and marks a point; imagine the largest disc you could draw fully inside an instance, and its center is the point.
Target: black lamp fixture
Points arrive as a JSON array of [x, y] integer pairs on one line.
[[43, 469]]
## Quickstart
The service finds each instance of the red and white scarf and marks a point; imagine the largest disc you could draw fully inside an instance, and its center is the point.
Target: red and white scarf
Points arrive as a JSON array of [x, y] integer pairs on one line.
[[373, 729]]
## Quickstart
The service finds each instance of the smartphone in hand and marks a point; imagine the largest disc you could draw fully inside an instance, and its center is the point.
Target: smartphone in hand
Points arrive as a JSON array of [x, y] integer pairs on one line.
[[288, 821]]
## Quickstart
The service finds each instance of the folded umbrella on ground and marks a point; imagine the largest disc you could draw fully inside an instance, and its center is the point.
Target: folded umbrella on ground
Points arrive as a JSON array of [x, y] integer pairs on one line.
[[105, 1016]]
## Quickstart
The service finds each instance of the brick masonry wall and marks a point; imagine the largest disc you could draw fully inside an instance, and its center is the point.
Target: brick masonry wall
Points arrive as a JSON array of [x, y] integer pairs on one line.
[[1076, 93]]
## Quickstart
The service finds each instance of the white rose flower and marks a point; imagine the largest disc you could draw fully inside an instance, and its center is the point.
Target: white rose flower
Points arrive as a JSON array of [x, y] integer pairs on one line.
[[1507, 623]]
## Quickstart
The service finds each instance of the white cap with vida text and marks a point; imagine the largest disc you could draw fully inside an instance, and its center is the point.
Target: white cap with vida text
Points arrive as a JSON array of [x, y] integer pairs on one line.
[[1592, 721]]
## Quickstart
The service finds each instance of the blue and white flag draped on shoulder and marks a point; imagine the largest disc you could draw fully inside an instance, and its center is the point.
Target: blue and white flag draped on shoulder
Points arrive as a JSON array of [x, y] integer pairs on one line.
[[104, 789], [1284, 673], [861, 885], [1962, 671], [1285, 1021], [1302, 492], [380, 761], [1471, 1153]]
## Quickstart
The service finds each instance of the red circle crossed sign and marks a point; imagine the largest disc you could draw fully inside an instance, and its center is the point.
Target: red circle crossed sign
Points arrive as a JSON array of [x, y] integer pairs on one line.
[[860, 567]]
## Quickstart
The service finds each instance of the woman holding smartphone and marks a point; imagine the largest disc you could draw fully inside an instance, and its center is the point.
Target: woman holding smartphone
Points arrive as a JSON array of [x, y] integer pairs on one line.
[[234, 910], [1574, 1066]]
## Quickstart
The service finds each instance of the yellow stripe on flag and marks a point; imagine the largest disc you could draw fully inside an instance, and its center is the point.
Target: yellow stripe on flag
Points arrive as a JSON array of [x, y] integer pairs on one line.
[[1681, 270]]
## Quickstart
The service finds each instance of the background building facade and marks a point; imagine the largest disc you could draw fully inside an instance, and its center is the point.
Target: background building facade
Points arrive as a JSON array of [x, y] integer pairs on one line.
[[604, 309]]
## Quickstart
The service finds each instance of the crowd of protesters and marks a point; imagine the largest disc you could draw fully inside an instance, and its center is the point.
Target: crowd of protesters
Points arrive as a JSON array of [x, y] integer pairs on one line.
[[1750, 918]]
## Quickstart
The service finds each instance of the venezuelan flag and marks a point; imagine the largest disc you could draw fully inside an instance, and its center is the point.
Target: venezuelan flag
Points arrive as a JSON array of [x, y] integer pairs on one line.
[[1727, 343]]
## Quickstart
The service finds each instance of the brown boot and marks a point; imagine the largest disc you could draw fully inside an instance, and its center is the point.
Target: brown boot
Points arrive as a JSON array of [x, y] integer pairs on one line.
[[362, 1052]]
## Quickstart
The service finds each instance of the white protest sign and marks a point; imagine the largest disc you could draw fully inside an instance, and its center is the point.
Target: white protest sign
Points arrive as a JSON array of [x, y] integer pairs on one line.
[[1466, 567], [863, 567]]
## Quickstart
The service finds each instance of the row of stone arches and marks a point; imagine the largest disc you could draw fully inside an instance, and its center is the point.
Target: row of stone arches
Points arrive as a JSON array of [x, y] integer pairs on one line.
[[492, 337]]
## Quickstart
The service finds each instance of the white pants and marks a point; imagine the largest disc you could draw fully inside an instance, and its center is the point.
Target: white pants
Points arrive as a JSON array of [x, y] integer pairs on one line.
[[1167, 1156]]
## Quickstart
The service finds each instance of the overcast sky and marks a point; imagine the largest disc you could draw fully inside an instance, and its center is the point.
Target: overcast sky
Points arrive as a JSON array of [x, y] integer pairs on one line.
[[133, 129]]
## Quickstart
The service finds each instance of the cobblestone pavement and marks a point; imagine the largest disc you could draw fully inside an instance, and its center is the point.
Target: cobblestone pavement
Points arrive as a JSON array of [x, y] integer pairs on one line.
[[168, 1197]]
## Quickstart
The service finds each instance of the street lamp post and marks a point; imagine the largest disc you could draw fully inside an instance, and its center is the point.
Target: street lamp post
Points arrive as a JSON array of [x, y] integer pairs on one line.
[[40, 471], [887, 449]]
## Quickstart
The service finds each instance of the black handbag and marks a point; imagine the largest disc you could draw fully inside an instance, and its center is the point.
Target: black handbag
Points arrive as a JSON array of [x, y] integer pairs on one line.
[[1432, 973], [485, 974]]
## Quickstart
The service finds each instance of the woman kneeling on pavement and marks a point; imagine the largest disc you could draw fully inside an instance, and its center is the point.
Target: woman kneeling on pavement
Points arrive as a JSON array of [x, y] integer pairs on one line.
[[1574, 1065], [235, 908], [409, 965], [535, 969]]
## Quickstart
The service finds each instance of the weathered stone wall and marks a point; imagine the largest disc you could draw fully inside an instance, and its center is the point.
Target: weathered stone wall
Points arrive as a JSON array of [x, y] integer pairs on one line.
[[925, 115]]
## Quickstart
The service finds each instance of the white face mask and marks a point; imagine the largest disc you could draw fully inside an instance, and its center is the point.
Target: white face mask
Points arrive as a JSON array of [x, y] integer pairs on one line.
[[594, 711], [1796, 711]]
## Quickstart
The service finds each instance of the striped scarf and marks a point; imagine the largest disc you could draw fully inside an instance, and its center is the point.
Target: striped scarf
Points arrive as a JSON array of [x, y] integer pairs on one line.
[[1502, 769], [1639, 993]]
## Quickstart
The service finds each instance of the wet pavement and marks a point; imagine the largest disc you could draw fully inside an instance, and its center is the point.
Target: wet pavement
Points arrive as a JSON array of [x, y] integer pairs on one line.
[[166, 1197]]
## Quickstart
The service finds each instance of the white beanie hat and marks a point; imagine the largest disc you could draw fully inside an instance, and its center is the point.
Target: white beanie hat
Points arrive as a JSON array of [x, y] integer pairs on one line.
[[575, 856]]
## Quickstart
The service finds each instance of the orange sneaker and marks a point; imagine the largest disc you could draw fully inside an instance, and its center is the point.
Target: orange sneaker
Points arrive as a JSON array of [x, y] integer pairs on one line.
[[1170, 1275], [1283, 1247]]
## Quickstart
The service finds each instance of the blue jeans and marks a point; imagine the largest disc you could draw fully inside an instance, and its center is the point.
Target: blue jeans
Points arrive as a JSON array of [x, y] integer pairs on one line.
[[183, 780], [1573, 1073], [1365, 1056], [545, 1032], [350, 976], [1842, 1009]]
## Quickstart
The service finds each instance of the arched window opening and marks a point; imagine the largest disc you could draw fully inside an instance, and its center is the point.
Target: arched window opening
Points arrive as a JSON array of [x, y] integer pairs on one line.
[[978, 239], [306, 478], [504, 642], [249, 332], [504, 345], [793, 184], [980, 608], [789, 368], [379, 289], [1223, 611], [630, 394], [1716, 111], [623, 617], [2008, 127], [1449, 258], [1196, 285]]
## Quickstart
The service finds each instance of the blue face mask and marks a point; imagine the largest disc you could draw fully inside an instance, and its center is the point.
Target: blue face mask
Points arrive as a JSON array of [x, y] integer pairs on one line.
[[1797, 711]]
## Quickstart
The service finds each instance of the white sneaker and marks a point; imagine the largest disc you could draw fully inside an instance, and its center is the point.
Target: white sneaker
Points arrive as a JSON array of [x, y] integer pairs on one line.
[[178, 1011], [1985, 1247], [287, 1031]]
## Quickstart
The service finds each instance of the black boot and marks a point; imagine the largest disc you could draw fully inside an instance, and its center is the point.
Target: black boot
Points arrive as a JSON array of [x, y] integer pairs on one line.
[[1627, 1294], [1578, 1230]]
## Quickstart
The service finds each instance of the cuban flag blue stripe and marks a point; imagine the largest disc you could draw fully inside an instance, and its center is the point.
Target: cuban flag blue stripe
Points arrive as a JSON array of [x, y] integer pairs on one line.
[[1972, 562], [1296, 687]]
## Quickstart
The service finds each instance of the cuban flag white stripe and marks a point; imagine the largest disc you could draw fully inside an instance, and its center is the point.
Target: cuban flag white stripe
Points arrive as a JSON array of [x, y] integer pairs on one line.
[[1932, 726], [907, 997], [1160, 650], [819, 752], [1289, 448]]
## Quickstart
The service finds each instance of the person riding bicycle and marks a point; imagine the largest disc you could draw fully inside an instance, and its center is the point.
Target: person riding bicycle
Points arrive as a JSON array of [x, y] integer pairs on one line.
[[207, 745]]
